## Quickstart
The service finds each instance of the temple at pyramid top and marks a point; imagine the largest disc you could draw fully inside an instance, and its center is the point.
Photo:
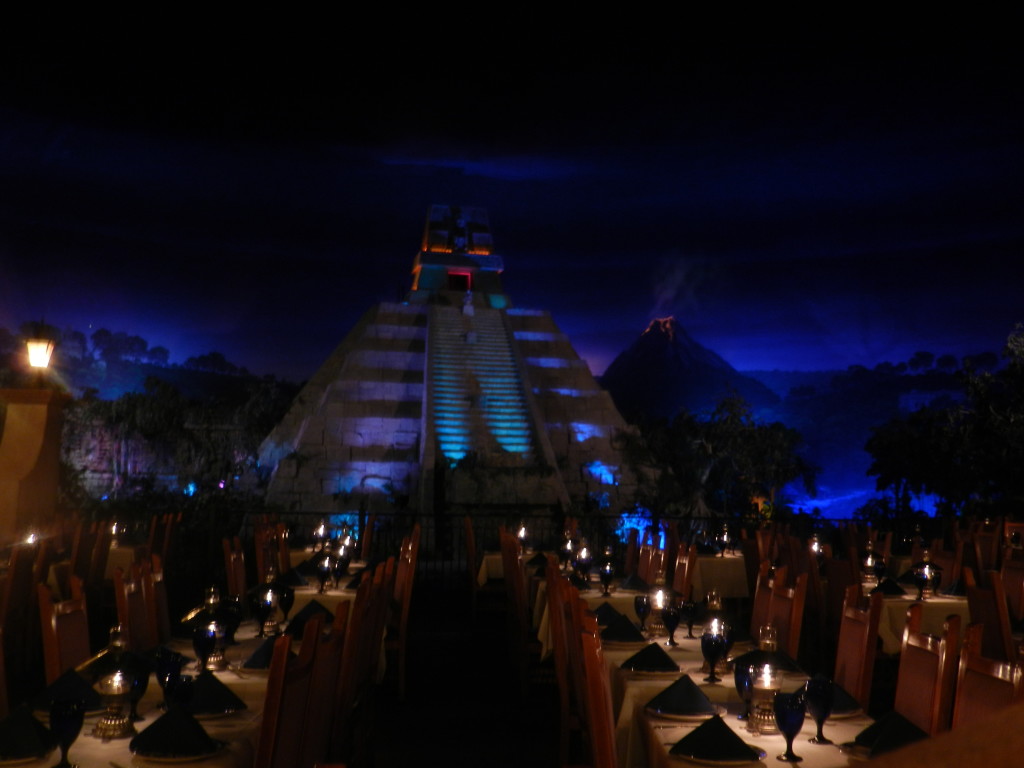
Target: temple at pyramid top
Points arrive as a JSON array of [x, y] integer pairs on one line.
[[456, 256], [450, 401]]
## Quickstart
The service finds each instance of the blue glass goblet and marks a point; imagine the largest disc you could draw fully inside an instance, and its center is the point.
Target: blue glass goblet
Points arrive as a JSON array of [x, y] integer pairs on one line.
[[819, 693], [789, 716], [66, 718]]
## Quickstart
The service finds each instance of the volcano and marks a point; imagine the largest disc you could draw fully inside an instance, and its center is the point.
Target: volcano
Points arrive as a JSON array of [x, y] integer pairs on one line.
[[665, 371]]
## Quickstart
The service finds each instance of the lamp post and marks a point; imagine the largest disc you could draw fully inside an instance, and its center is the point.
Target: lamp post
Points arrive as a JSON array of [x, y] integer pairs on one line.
[[30, 449]]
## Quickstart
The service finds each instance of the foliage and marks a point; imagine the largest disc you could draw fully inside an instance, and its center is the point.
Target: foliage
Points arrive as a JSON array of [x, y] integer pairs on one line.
[[720, 465], [968, 454]]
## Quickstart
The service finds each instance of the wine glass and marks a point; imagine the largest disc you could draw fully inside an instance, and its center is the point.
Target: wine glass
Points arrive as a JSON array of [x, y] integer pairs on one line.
[[323, 573], [743, 675], [642, 606], [179, 691], [789, 716], [712, 645], [204, 641], [285, 600], [264, 605], [670, 618], [168, 670], [66, 717], [607, 573], [688, 613], [819, 694]]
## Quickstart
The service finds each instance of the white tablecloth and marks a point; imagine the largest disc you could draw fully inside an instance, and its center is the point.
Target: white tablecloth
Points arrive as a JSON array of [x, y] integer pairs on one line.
[[936, 609]]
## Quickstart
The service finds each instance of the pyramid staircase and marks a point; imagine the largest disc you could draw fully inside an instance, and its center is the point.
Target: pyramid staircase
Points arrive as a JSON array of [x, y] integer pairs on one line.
[[477, 401]]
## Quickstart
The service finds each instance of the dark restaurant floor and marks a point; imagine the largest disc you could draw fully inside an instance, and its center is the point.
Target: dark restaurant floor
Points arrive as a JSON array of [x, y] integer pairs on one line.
[[462, 707]]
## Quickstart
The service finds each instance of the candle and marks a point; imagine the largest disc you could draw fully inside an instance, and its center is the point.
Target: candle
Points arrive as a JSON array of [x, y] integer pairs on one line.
[[659, 600]]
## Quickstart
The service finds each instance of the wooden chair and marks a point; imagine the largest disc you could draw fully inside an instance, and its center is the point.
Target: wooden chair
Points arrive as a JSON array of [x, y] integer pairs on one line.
[[288, 686], [321, 712], [927, 672], [65, 631], [989, 607], [643, 568], [17, 598], [686, 567], [4, 707], [154, 593], [632, 552], [762, 595], [132, 614], [1011, 575], [951, 562], [786, 612], [858, 644], [600, 718], [984, 686], [841, 575], [569, 715], [487, 597], [523, 646], [234, 568], [366, 542], [100, 554], [397, 638]]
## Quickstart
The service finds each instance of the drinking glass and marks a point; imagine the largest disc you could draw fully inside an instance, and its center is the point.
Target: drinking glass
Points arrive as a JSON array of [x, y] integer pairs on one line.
[[642, 606], [263, 607], [743, 675], [204, 641], [819, 694], [607, 573], [168, 670], [688, 613], [285, 600], [66, 717], [712, 645], [323, 573], [670, 618], [789, 716]]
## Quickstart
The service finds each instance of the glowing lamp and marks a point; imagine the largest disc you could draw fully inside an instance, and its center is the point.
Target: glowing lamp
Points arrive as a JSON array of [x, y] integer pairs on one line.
[[39, 352]]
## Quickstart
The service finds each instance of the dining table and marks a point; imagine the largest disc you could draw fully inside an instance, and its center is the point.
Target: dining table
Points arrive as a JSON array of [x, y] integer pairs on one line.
[[935, 609], [644, 740]]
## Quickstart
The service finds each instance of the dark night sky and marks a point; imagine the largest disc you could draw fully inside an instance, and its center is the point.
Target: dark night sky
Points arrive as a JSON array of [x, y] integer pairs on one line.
[[803, 206]]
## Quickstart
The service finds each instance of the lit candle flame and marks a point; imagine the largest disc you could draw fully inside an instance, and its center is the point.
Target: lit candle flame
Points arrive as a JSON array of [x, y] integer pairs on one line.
[[766, 676]]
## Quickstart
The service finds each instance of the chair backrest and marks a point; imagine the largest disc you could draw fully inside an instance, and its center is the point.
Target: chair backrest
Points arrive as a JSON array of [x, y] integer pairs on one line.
[[65, 630], [840, 574], [600, 718], [321, 709], [1012, 577], [786, 612], [682, 581], [132, 613], [515, 583], [643, 569], [951, 564], [632, 552], [288, 685], [858, 643], [81, 549], [100, 553], [4, 708], [927, 672], [17, 586], [154, 592], [989, 607], [762, 596], [234, 567], [984, 686], [366, 544]]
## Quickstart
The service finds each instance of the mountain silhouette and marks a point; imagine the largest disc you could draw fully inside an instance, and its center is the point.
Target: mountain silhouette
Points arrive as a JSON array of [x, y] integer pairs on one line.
[[665, 371]]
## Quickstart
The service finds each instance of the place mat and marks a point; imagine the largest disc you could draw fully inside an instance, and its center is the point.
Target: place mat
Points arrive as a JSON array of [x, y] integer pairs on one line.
[[538, 559], [69, 686], [606, 614], [890, 732], [681, 699], [757, 658], [634, 583], [622, 630], [211, 697], [309, 610], [175, 734], [652, 658], [715, 741], [23, 737]]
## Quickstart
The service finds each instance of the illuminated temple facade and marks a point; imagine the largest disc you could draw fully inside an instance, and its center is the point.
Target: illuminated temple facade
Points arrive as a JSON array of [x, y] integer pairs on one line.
[[452, 400]]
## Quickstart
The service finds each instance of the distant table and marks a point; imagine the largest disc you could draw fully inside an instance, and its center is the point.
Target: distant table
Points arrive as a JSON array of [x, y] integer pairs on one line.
[[934, 613], [726, 574]]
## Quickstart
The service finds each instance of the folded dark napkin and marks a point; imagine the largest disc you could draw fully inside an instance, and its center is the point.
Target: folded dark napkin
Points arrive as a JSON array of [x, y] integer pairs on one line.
[[842, 702], [652, 658], [162, 651], [357, 579], [634, 583], [261, 657], [176, 733], [714, 740], [683, 697], [309, 610], [777, 659], [23, 737], [538, 559], [621, 630], [606, 613], [308, 567], [292, 578], [889, 732], [211, 697], [70, 685], [888, 586]]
